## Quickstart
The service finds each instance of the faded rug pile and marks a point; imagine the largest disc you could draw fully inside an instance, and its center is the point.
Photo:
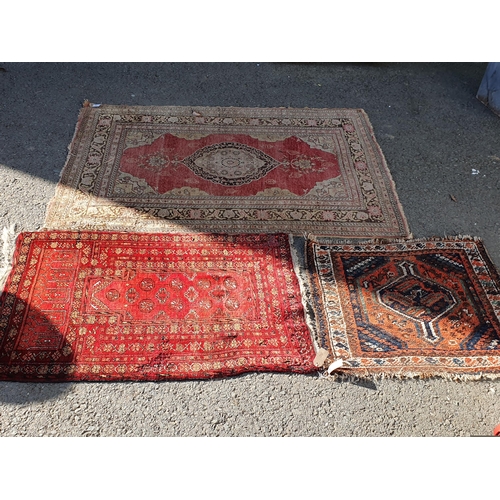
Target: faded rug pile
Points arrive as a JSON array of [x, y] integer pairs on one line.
[[118, 306], [227, 170], [414, 307]]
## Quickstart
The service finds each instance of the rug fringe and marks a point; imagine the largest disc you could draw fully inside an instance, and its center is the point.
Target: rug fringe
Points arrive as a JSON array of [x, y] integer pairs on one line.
[[343, 376], [88, 104], [8, 245], [458, 237], [305, 294], [327, 240], [62, 184]]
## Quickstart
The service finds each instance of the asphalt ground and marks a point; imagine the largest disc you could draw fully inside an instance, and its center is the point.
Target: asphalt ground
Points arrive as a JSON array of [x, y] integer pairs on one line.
[[443, 149]]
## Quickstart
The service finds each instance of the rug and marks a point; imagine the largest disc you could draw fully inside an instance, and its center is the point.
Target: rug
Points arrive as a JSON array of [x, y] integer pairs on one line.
[[138, 306], [226, 170], [406, 308]]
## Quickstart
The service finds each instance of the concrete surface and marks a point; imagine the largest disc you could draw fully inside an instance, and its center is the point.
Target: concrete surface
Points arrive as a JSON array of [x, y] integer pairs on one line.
[[489, 90], [443, 149]]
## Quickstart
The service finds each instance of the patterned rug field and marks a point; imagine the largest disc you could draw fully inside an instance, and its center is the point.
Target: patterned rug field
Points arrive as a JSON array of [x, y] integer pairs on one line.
[[226, 170], [416, 307], [138, 306]]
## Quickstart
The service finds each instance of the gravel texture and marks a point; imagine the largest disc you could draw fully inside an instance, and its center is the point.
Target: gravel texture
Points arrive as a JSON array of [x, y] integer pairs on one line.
[[434, 134]]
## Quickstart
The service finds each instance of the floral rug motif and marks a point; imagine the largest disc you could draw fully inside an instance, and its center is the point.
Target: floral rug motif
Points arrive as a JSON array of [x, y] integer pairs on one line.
[[415, 307], [139, 306], [227, 170]]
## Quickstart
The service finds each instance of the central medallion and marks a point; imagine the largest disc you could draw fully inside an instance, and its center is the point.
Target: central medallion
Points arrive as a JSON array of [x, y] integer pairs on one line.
[[417, 298], [230, 163]]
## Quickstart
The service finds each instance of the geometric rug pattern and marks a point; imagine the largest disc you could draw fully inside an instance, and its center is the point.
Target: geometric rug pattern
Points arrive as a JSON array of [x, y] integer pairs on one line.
[[415, 307], [226, 170], [140, 306]]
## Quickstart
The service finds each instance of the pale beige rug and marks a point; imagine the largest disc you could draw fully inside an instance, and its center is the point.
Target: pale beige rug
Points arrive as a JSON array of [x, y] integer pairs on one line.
[[227, 170]]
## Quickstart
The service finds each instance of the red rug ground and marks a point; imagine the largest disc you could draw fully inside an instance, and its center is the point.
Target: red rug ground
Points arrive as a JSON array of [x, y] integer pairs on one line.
[[128, 306], [417, 307]]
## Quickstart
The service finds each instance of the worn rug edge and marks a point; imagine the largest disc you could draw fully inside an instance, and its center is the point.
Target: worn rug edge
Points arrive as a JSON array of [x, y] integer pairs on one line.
[[343, 374], [86, 110]]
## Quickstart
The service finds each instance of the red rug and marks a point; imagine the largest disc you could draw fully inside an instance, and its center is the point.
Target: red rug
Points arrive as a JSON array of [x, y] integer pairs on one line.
[[129, 306], [417, 307], [226, 170]]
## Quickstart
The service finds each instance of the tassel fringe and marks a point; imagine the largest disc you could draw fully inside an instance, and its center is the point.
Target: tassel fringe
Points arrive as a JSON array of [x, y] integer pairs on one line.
[[8, 243]]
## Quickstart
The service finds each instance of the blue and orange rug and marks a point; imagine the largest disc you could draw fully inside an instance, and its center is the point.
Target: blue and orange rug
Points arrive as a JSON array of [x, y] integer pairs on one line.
[[406, 308]]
